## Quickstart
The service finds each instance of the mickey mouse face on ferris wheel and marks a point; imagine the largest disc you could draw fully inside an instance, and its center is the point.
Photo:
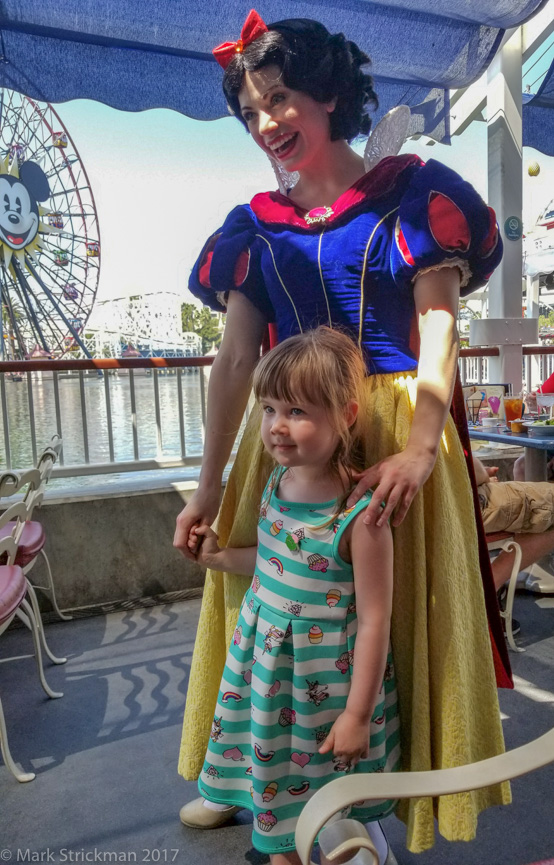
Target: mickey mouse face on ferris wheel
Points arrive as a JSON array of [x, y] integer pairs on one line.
[[19, 197]]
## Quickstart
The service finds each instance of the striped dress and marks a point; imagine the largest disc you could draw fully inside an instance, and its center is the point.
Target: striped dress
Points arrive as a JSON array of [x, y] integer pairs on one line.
[[288, 674]]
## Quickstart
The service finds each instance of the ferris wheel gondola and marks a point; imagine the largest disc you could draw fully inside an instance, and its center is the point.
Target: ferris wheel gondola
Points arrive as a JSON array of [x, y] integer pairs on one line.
[[49, 234]]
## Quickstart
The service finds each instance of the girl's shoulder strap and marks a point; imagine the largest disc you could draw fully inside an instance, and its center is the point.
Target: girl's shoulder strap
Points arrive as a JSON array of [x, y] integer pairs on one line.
[[345, 517], [272, 483]]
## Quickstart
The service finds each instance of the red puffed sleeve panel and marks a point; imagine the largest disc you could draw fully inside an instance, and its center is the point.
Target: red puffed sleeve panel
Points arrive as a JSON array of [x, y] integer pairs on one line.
[[230, 261], [441, 222]]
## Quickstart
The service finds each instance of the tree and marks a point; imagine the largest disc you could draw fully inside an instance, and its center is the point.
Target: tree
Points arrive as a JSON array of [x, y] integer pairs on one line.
[[202, 322], [189, 314], [208, 329], [547, 320]]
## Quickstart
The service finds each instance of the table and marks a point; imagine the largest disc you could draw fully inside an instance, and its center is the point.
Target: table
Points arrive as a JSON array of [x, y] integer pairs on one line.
[[538, 579], [535, 448]]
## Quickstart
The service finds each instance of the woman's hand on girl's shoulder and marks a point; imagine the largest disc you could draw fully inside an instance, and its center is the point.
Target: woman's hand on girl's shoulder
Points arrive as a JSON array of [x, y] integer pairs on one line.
[[396, 481], [201, 510], [348, 738]]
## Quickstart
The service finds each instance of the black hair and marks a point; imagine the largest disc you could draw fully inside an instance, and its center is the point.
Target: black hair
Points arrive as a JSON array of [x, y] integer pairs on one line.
[[312, 60]]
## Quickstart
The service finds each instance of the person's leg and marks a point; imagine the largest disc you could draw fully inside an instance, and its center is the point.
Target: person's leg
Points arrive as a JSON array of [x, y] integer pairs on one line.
[[291, 858], [533, 546]]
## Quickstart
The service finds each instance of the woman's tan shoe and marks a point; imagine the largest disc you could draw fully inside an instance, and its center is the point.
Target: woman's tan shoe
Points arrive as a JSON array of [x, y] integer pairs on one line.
[[197, 816]]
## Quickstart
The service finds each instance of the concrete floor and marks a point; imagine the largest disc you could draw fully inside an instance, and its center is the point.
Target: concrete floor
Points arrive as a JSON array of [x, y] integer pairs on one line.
[[105, 754]]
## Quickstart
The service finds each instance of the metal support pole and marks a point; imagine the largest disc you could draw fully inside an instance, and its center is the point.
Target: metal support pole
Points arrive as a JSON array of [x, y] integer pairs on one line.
[[506, 196], [534, 360]]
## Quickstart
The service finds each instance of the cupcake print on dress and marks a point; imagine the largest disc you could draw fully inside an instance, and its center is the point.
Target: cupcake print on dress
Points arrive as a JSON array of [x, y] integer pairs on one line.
[[266, 821], [315, 634], [287, 717], [316, 562]]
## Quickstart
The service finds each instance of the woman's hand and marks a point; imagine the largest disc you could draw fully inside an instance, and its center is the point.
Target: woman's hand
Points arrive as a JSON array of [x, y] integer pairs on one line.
[[201, 510], [348, 738], [396, 479]]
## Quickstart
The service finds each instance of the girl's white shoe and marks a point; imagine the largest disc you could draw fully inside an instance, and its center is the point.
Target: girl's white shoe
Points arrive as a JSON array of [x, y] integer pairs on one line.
[[370, 843], [200, 814]]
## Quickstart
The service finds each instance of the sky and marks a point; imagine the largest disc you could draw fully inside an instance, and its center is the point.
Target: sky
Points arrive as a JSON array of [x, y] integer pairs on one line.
[[164, 182]]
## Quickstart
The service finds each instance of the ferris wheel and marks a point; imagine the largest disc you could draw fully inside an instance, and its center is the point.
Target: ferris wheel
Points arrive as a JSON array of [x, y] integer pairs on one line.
[[49, 234]]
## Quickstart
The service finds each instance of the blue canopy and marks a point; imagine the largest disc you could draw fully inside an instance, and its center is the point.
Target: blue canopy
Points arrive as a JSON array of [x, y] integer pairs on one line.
[[138, 54], [538, 119]]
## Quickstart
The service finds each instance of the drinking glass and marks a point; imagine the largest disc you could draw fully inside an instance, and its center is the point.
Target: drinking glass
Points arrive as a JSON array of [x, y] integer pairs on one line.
[[474, 403], [513, 407]]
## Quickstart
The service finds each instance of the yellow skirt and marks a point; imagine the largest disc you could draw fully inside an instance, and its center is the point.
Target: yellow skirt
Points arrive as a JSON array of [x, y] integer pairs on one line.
[[449, 711]]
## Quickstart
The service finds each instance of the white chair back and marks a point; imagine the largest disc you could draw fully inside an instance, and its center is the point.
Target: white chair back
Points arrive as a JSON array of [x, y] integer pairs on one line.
[[17, 513], [13, 482]]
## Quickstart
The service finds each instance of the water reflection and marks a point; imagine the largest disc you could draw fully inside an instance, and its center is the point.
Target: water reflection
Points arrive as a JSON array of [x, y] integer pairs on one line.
[[72, 427]]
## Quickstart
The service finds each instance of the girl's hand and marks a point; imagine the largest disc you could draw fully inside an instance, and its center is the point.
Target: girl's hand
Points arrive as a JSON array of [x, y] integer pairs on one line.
[[203, 541], [396, 479], [201, 510], [348, 738]]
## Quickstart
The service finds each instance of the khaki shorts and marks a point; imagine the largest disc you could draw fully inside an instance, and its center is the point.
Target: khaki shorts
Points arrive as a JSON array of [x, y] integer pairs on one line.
[[512, 506]]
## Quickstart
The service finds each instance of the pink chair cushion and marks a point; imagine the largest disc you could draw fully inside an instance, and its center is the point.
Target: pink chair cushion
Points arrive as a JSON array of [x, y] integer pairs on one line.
[[31, 542], [12, 590]]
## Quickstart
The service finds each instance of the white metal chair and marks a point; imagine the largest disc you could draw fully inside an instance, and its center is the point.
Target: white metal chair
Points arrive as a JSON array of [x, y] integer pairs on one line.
[[14, 588], [33, 538], [406, 785], [504, 541], [37, 537]]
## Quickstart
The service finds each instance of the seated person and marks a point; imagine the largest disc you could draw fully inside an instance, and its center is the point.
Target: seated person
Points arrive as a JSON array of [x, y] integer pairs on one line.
[[522, 507]]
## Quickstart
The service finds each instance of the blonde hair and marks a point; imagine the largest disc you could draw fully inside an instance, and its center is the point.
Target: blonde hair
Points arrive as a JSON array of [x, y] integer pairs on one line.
[[325, 368]]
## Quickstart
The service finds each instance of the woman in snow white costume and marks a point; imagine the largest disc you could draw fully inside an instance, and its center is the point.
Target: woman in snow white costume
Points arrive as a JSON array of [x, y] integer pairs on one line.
[[384, 254]]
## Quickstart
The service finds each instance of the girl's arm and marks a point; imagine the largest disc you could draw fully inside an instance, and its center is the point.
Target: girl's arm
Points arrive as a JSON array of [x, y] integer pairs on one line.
[[227, 397], [372, 559], [233, 560], [398, 478]]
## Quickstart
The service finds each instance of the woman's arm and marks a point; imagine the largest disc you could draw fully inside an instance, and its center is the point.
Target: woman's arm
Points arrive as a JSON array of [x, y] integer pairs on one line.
[[372, 560], [398, 478], [228, 393]]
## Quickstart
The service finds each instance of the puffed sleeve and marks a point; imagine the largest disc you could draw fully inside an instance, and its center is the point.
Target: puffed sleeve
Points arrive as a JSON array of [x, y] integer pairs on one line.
[[230, 261], [443, 222]]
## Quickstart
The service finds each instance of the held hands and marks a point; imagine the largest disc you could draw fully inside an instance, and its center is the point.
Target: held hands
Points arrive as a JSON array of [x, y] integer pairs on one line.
[[203, 544], [395, 480], [348, 738], [201, 510]]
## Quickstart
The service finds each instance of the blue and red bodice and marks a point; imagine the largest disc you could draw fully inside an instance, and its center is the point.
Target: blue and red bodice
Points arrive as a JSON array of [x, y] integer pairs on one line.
[[356, 267]]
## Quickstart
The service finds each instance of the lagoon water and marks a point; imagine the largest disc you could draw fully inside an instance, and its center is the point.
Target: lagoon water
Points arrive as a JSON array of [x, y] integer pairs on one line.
[[72, 427]]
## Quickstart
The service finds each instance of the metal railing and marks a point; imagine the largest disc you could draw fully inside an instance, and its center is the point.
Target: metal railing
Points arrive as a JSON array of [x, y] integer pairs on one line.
[[538, 364], [141, 414], [115, 415]]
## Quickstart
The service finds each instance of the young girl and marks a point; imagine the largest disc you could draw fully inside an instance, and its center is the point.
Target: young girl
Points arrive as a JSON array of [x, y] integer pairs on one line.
[[308, 692]]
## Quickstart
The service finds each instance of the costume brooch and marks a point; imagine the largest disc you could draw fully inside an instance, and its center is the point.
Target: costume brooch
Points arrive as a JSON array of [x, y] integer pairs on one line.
[[318, 214], [294, 538]]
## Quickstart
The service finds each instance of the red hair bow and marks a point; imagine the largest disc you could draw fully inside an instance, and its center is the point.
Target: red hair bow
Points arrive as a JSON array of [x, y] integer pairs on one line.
[[252, 28]]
